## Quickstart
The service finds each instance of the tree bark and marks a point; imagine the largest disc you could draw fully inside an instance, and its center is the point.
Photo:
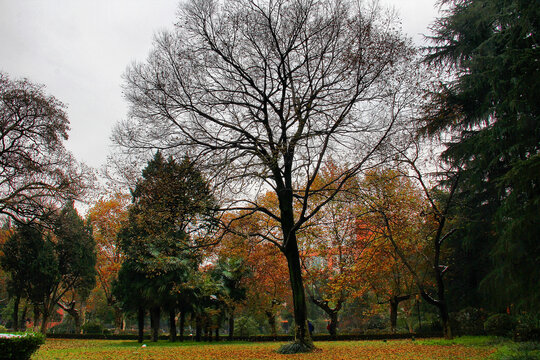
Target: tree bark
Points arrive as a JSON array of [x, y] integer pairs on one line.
[[272, 322], [231, 325], [155, 313], [198, 328], [301, 335], [394, 304], [37, 314], [16, 312], [140, 323], [182, 324], [118, 319], [172, 326], [22, 320]]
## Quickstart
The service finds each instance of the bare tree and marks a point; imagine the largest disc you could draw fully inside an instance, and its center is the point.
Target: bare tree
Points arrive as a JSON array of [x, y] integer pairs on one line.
[[264, 93], [36, 171]]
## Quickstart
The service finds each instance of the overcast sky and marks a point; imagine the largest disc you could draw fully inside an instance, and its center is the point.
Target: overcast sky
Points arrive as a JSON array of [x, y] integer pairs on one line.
[[79, 50]]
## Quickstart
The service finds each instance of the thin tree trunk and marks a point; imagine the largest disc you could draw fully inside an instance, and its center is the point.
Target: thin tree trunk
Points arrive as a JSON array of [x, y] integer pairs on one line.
[[198, 328], [182, 324], [393, 314], [16, 312], [231, 324], [44, 321], [140, 323], [172, 325]]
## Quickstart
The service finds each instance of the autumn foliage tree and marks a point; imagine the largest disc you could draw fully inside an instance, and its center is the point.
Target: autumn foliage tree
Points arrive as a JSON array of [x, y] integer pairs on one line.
[[107, 217]]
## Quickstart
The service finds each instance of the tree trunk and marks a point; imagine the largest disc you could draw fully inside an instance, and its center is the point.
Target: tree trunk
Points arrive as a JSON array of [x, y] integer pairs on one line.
[[140, 323], [22, 320], [332, 327], [198, 328], [172, 326], [393, 314], [217, 333], [155, 314], [37, 314], [44, 321], [272, 322], [182, 324], [231, 325], [16, 312], [118, 319], [301, 335]]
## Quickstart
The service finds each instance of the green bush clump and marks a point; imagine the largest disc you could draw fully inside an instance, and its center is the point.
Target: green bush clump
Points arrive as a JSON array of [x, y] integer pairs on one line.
[[93, 327], [469, 321], [500, 325], [19, 346]]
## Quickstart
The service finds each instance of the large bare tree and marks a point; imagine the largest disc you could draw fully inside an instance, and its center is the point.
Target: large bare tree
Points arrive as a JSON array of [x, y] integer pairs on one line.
[[37, 173], [264, 93]]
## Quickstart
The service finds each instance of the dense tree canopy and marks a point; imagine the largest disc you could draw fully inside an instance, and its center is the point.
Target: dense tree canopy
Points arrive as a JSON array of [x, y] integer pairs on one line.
[[490, 109]]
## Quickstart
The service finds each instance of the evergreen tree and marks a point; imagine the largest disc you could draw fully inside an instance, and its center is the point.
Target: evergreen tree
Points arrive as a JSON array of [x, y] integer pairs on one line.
[[491, 111], [171, 201]]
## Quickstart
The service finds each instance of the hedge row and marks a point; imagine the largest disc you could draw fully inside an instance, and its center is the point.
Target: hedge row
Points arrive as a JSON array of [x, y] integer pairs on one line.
[[255, 338]]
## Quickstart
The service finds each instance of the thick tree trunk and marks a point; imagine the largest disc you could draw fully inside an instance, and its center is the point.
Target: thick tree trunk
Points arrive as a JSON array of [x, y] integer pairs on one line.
[[272, 322], [172, 325], [44, 321], [217, 333], [301, 335], [182, 324], [15, 319], [37, 315], [22, 320], [393, 314], [118, 319], [155, 314], [140, 323], [332, 327]]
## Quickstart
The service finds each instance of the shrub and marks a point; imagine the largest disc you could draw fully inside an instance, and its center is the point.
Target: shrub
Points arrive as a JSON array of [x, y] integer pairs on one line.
[[429, 328], [245, 326], [19, 346], [500, 325], [470, 321], [93, 327]]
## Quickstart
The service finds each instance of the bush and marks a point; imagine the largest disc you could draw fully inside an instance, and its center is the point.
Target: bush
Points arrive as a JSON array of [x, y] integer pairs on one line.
[[245, 326], [19, 346], [500, 325], [429, 328], [469, 321], [93, 327]]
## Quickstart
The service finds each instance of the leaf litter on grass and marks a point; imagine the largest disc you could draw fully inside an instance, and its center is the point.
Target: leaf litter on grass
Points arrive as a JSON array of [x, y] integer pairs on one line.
[[57, 349]]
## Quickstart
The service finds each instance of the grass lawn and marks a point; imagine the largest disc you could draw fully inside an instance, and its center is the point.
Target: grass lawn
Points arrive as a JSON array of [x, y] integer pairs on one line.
[[462, 348]]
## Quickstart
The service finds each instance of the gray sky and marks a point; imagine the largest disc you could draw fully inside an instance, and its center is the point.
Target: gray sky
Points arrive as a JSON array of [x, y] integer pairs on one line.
[[79, 50]]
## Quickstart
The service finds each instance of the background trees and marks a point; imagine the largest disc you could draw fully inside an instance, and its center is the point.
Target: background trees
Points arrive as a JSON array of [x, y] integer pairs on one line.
[[52, 267], [264, 94], [36, 172]]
